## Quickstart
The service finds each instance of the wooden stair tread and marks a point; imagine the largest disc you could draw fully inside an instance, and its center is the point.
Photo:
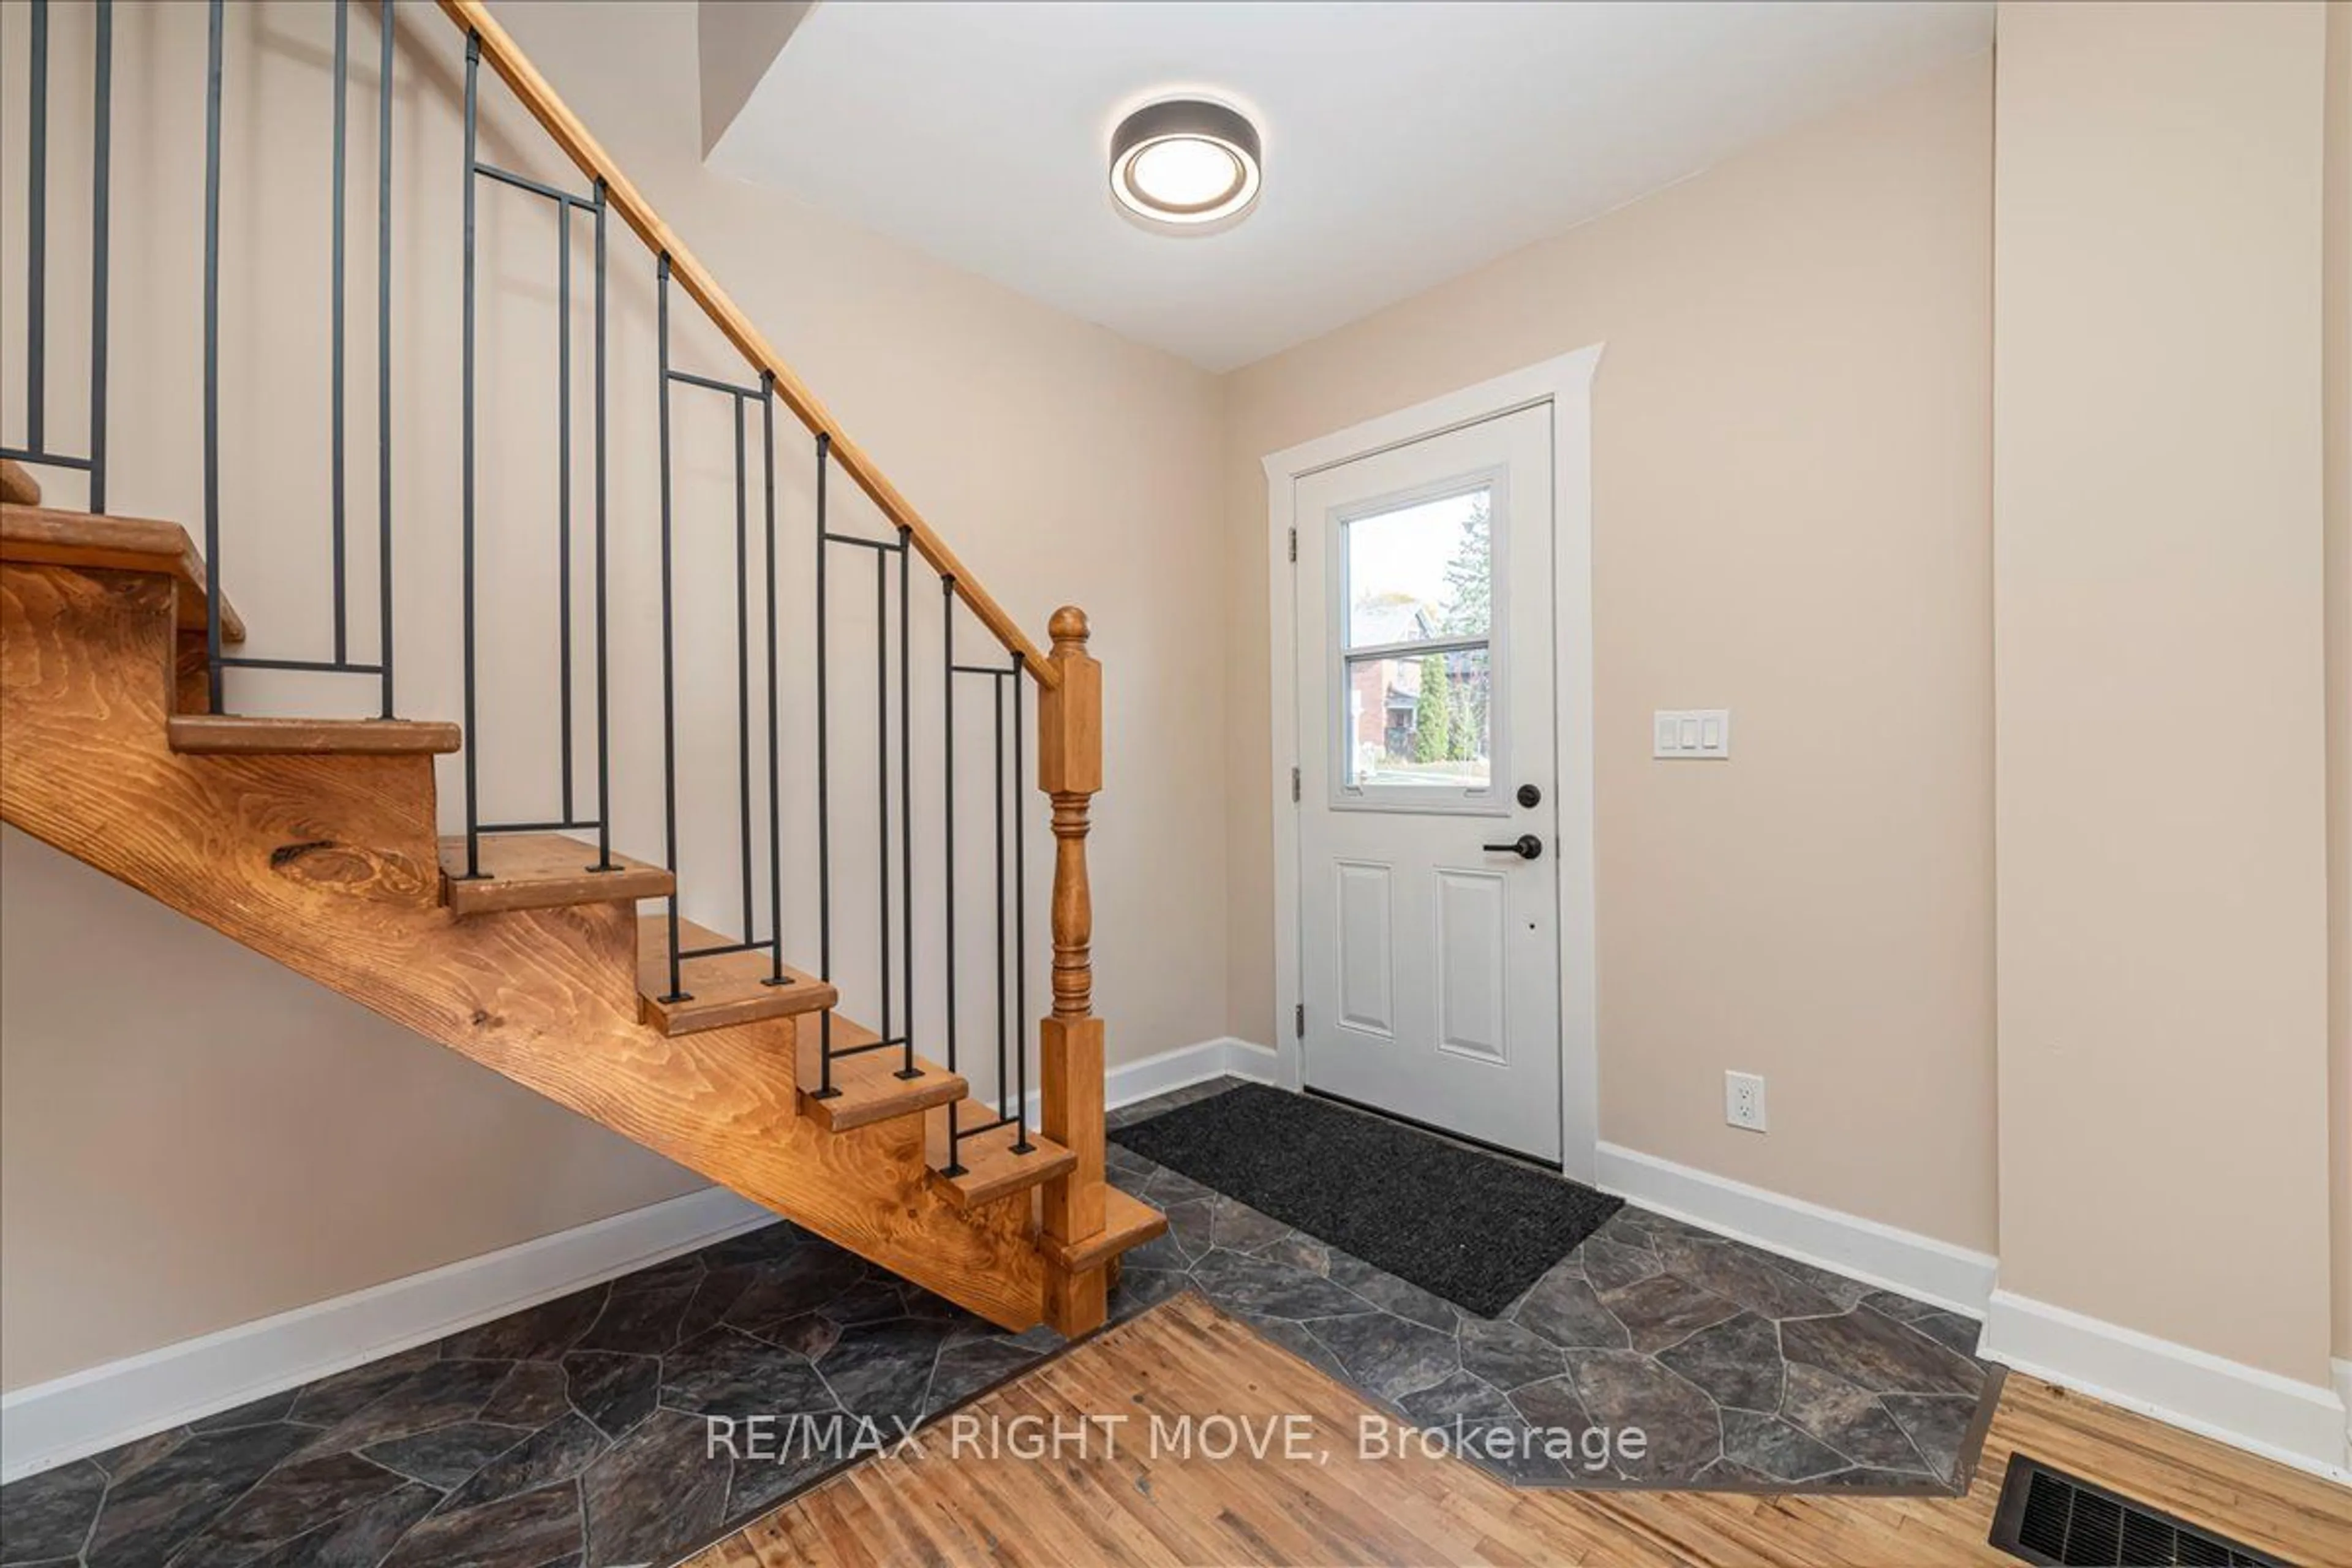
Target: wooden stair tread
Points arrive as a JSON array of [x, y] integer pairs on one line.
[[229, 735], [722, 989], [541, 871], [1127, 1222], [18, 487], [43, 536], [990, 1168], [870, 1087]]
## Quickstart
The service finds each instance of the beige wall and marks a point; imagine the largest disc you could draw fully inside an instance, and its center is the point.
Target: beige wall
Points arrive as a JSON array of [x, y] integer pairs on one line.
[[190, 1136], [2338, 406], [1791, 519], [2158, 624]]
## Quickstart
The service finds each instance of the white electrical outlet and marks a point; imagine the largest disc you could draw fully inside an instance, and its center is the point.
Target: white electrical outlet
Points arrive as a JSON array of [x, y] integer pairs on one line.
[[1743, 1100]]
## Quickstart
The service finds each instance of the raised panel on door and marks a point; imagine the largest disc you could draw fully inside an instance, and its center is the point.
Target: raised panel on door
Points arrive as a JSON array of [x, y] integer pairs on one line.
[[1471, 997], [1366, 956]]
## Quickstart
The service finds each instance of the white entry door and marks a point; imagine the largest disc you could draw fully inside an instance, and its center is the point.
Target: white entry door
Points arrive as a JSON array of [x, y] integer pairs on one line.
[[1428, 884]]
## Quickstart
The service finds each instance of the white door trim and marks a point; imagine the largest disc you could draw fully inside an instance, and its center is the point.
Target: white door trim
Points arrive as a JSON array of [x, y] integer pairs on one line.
[[1566, 385]]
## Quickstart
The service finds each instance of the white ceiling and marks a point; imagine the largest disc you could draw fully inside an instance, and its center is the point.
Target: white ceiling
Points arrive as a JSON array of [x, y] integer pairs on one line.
[[1405, 143]]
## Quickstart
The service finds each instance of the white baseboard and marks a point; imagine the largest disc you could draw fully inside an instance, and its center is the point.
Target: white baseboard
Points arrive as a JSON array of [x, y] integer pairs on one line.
[[2298, 1423], [90, 1411], [1180, 1069], [2341, 1367], [1186, 1065], [1899, 1260]]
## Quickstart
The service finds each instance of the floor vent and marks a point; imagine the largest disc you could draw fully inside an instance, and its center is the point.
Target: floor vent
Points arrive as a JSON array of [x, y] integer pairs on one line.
[[2049, 1516]]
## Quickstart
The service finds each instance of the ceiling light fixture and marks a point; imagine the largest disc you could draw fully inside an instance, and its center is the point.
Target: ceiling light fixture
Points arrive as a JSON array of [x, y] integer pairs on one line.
[[1185, 165]]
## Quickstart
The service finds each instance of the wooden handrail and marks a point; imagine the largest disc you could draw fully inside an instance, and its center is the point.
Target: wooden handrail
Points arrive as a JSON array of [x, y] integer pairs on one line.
[[516, 69]]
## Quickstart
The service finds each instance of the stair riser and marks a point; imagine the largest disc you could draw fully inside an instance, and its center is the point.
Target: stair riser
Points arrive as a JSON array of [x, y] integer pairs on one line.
[[192, 675]]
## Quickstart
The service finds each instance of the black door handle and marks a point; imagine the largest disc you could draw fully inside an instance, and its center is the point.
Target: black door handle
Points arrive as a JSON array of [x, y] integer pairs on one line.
[[1527, 847]]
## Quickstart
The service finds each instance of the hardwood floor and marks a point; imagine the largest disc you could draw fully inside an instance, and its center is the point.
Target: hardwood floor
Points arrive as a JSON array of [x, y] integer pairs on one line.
[[1118, 1501]]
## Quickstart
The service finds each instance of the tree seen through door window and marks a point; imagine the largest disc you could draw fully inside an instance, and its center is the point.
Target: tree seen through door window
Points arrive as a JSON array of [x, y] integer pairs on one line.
[[1419, 661]]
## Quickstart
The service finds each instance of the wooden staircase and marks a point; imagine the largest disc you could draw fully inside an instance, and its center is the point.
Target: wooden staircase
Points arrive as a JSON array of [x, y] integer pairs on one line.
[[314, 841]]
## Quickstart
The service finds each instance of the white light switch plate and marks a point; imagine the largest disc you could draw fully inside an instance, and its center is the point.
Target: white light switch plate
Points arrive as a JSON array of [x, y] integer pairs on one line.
[[1691, 732]]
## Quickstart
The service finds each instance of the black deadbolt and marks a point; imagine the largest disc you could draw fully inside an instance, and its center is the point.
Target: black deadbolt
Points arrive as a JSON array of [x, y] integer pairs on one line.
[[1531, 796]]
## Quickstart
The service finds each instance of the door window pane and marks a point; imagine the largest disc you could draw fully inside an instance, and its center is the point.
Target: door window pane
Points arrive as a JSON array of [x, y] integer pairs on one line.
[[1418, 720], [1419, 572]]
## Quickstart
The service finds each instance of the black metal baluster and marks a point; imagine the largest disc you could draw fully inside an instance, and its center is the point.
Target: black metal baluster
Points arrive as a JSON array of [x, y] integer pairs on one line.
[[603, 684], [212, 356], [564, 501], [102, 134], [335, 331], [36, 265], [743, 668], [384, 351], [567, 817], [1003, 1080], [907, 1068], [678, 991], [37, 225], [339, 369], [882, 769], [1020, 919], [824, 788], [473, 731], [776, 976], [954, 1166]]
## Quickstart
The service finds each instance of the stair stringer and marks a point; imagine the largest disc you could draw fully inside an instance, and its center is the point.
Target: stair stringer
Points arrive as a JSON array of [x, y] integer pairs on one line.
[[329, 865]]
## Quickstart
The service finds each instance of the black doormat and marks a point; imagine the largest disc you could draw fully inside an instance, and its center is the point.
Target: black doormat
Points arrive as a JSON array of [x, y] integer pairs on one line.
[[1467, 1227]]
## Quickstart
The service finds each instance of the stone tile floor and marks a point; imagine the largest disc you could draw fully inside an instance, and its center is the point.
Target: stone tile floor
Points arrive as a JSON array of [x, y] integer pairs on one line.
[[1740, 1368], [568, 1434], [571, 1435]]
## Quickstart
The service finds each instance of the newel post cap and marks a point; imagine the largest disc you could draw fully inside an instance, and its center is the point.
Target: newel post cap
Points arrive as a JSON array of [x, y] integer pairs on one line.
[[1069, 713]]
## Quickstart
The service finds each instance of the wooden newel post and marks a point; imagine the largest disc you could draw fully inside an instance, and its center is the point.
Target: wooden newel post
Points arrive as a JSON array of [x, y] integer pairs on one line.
[[1070, 1052]]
